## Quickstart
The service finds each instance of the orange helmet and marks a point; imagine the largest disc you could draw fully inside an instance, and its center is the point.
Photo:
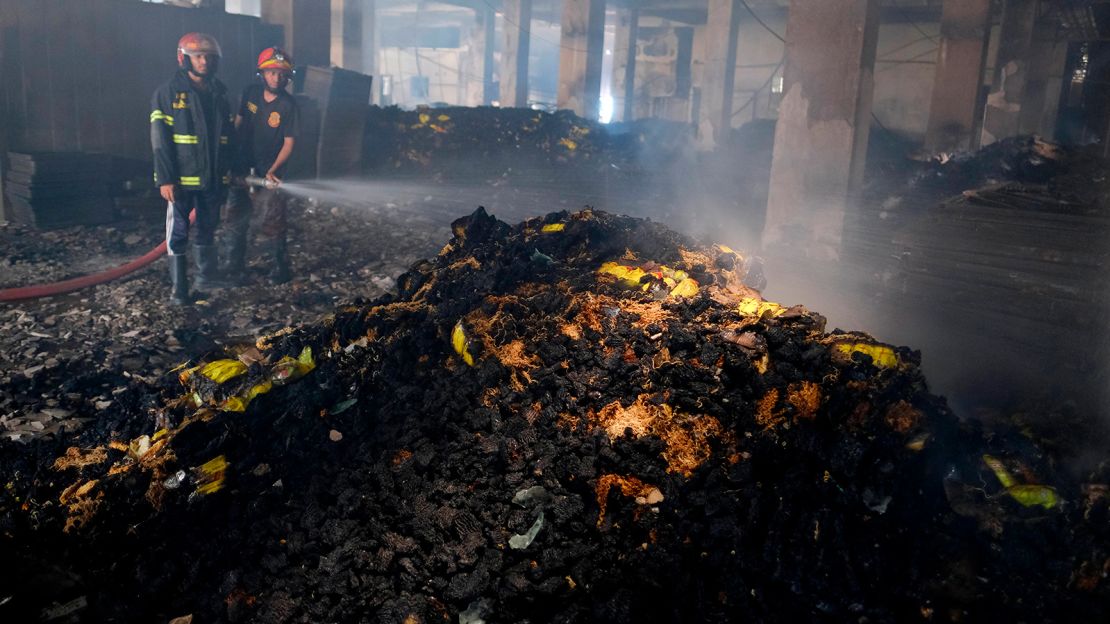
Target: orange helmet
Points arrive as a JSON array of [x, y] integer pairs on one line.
[[275, 58], [196, 44]]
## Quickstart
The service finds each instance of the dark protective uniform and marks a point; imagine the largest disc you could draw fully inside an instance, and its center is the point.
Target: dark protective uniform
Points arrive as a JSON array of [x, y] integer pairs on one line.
[[260, 137], [190, 133]]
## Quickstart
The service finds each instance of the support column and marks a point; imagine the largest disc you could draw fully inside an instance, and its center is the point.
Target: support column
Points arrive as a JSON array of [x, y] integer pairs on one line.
[[824, 119], [307, 29], [722, 32], [1040, 103], [514, 56], [477, 67], [370, 45], [582, 51], [624, 63], [1003, 113], [489, 26], [965, 29], [346, 34]]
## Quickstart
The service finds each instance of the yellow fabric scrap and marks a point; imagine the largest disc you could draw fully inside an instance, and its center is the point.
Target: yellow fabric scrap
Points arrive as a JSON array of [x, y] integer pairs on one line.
[[677, 281], [223, 370], [424, 118], [686, 288], [629, 276], [211, 487], [553, 227], [570, 144], [443, 118], [211, 475], [287, 369], [881, 355], [214, 465], [999, 470], [461, 342], [234, 404], [1028, 495], [240, 403], [750, 306], [1033, 495]]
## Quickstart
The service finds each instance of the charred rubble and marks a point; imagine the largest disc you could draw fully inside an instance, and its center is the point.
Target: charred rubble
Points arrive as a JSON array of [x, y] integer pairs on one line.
[[515, 142], [580, 418]]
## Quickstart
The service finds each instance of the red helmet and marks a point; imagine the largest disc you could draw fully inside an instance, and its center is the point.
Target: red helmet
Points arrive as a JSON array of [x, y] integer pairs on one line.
[[275, 58], [196, 44]]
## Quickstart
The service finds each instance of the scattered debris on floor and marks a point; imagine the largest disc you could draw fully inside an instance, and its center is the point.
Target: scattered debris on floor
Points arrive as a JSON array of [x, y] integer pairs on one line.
[[67, 360]]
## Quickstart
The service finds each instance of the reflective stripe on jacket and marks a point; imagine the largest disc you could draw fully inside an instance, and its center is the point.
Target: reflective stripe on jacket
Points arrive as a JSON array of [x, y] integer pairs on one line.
[[179, 136]]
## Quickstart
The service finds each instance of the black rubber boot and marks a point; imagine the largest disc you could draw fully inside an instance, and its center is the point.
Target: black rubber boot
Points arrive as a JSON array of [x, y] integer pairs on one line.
[[179, 279], [235, 272], [207, 268], [281, 273]]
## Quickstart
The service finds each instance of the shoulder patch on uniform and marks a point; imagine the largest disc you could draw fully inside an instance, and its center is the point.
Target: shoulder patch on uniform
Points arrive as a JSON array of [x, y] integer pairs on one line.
[[252, 107], [274, 119], [181, 100]]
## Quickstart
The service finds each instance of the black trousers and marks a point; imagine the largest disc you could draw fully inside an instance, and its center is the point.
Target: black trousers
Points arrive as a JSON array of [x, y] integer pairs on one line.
[[272, 206], [207, 205]]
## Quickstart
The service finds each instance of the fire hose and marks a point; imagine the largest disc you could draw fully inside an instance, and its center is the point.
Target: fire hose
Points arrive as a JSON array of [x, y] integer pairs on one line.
[[22, 293]]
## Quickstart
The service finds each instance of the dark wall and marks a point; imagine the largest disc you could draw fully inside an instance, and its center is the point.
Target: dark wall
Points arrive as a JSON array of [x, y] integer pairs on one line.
[[78, 74]]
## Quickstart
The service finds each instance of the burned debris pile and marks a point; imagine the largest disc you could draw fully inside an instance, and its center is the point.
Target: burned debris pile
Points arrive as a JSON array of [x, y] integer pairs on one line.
[[580, 418], [459, 141]]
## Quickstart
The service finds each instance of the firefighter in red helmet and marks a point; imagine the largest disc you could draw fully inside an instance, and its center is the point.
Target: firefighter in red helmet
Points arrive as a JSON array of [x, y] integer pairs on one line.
[[190, 133], [266, 129]]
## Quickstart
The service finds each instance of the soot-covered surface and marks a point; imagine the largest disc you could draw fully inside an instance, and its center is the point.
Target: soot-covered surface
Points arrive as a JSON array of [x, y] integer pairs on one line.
[[580, 418]]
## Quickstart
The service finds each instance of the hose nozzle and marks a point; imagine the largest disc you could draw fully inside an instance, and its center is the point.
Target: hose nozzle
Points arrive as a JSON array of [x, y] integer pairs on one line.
[[260, 182]]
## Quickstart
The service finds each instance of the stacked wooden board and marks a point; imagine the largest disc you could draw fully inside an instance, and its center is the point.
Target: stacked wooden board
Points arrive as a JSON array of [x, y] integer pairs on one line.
[[342, 98], [59, 189]]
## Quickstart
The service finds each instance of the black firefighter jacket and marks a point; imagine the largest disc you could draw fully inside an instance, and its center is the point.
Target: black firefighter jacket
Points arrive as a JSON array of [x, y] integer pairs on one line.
[[179, 136]]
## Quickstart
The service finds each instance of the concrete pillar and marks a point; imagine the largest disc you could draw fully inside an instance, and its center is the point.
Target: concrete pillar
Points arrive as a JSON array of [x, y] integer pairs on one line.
[[307, 29], [824, 119], [1003, 112], [580, 57], [514, 56], [370, 44], [965, 29], [1048, 56], [346, 34], [489, 35], [477, 66], [719, 72], [624, 64]]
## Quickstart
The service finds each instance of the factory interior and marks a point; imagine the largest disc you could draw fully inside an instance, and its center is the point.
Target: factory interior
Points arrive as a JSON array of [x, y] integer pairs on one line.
[[505, 311]]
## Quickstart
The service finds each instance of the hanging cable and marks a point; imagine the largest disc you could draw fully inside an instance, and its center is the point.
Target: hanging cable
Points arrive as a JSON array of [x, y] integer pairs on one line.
[[761, 22]]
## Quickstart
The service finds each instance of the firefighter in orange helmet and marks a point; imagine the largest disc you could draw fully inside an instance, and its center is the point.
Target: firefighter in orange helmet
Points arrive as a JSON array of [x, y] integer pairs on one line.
[[266, 128], [190, 134]]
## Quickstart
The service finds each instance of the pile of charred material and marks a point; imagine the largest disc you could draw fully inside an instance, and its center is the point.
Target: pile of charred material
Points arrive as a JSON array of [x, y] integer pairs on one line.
[[581, 418], [480, 141]]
